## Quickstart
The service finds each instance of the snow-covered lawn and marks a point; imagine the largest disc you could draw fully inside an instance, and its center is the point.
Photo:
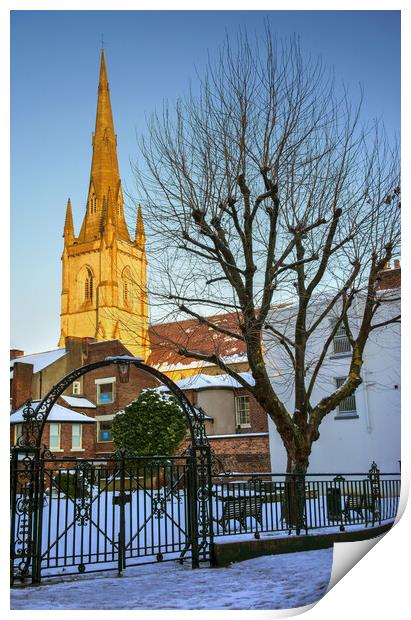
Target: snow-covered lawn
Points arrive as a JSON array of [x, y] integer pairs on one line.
[[154, 523], [268, 582]]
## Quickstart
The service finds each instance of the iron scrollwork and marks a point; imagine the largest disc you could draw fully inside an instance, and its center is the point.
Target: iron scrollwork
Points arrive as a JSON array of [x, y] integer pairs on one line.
[[29, 455]]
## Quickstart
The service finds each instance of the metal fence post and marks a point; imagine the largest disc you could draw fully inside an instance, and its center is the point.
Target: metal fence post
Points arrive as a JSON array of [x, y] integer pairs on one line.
[[121, 535], [13, 501], [193, 512], [210, 503], [38, 520]]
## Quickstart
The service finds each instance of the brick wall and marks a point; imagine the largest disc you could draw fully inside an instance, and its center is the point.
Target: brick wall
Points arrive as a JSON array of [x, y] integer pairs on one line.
[[243, 454], [389, 279], [124, 393], [82, 353], [258, 417], [240, 453], [88, 441]]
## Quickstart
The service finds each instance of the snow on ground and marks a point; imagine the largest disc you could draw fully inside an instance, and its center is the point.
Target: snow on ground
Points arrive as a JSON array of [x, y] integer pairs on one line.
[[268, 582]]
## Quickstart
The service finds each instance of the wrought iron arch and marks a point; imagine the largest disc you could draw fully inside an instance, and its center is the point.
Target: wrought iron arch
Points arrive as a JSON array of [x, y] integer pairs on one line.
[[28, 459], [36, 418]]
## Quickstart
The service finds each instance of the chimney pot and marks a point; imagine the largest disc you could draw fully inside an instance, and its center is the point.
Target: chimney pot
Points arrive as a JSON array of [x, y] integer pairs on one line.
[[396, 264]]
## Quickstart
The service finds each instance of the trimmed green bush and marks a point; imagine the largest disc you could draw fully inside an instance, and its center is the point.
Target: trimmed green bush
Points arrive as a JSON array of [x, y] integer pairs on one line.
[[152, 424]]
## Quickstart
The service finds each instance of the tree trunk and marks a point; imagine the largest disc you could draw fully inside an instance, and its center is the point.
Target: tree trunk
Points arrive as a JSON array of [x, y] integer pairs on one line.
[[293, 504]]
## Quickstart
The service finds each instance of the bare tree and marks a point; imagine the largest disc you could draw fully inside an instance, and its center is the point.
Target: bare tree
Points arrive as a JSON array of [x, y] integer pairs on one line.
[[261, 190]]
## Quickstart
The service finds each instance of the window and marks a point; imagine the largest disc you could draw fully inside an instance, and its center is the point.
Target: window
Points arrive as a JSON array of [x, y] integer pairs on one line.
[[104, 432], [347, 406], [76, 436], [340, 341], [18, 432], [54, 436], [93, 204], [105, 392], [76, 387], [88, 286], [242, 411]]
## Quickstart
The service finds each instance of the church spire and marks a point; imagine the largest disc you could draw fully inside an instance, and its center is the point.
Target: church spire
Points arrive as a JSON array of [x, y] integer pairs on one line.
[[104, 289], [68, 224], [104, 167], [104, 175]]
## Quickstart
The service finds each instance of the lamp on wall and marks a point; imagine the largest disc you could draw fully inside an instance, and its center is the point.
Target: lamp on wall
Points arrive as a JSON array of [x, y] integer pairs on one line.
[[123, 363], [123, 372]]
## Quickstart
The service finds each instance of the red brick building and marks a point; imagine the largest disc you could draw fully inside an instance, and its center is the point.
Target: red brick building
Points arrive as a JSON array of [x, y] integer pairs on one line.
[[236, 424], [92, 400]]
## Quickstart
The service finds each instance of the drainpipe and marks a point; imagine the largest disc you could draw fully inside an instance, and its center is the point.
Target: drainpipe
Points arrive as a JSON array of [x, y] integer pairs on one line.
[[367, 384]]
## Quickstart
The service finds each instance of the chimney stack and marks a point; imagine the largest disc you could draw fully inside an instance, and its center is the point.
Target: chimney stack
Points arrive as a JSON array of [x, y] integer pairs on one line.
[[14, 353], [21, 385]]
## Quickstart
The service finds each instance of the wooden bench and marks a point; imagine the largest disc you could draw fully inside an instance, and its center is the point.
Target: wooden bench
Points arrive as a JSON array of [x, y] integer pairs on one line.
[[241, 508], [358, 504]]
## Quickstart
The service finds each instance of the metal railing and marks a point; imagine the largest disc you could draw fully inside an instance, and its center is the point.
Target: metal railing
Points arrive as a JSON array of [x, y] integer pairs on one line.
[[269, 502], [71, 516]]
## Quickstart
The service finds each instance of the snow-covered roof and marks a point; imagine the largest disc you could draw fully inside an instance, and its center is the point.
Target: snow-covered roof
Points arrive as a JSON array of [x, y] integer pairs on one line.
[[167, 339], [237, 358], [204, 382], [40, 360], [78, 401], [57, 414]]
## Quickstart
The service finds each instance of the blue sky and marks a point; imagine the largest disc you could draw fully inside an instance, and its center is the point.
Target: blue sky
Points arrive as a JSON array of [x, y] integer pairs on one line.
[[150, 56]]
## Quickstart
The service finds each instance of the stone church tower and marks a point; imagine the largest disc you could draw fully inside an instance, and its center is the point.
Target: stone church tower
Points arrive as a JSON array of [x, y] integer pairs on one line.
[[104, 291]]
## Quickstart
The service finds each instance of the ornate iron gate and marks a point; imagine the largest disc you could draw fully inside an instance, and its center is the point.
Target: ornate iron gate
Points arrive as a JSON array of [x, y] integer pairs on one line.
[[76, 516], [73, 515]]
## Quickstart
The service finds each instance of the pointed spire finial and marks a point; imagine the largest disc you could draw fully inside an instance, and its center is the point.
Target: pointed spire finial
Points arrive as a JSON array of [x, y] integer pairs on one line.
[[103, 82], [140, 237], [68, 224], [104, 174]]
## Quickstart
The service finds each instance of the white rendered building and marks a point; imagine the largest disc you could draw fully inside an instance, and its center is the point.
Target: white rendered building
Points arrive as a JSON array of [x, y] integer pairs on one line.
[[366, 426]]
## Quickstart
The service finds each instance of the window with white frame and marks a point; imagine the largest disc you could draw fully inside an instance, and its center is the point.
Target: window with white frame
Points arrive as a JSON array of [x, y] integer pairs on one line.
[[54, 436], [76, 436], [341, 342], [348, 405], [76, 387], [18, 432], [104, 430], [105, 390], [242, 411]]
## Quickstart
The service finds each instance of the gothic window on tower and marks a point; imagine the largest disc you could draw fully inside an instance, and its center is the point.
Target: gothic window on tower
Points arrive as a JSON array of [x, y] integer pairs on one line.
[[88, 286], [93, 204]]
